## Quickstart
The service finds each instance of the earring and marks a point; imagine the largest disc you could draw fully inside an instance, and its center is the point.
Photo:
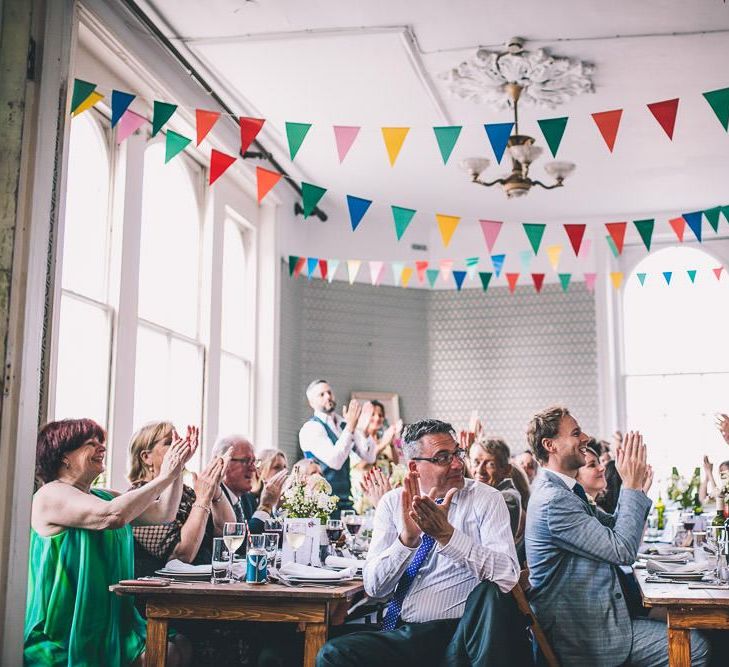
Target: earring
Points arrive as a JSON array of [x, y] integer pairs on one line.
[[67, 465]]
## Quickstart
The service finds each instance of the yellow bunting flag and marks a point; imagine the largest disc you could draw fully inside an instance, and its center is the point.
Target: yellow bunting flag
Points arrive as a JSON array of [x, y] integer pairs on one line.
[[352, 269], [407, 273], [88, 103], [447, 225], [553, 254], [617, 278], [394, 138]]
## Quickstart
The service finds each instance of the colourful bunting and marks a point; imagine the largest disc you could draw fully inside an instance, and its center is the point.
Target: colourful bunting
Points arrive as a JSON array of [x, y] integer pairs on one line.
[[645, 229], [590, 279], [311, 264], [534, 233], [575, 234], [174, 144], [402, 217], [397, 268], [265, 181], [679, 226], [525, 260], [667, 275], [130, 122], [446, 265], [344, 136], [641, 277], [311, 195], [447, 225], [617, 232], [665, 113], [538, 280], [394, 137], [407, 273], [353, 269], [120, 102], [446, 138], [693, 220], [82, 90], [432, 276], [89, 102], [219, 162], [300, 262], [617, 279], [490, 229], [554, 252], [564, 280], [420, 267], [249, 129], [162, 113], [459, 277], [498, 262], [357, 208], [292, 264], [692, 275], [323, 267], [719, 102], [717, 272], [333, 265], [376, 269], [612, 246], [608, 123], [553, 130], [471, 265], [712, 217], [295, 134], [498, 134], [485, 279], [511, 278], [204, 122]]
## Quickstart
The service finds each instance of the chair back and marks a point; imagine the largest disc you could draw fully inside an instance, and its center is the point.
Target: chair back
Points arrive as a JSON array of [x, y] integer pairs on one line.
[[545, 654]]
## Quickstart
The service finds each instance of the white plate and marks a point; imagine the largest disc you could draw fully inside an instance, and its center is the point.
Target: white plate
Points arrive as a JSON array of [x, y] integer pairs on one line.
[[183, 575], [688, 576]]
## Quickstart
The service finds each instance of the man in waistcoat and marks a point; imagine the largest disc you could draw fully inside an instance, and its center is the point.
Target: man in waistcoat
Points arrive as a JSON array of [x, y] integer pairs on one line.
[[329, 439]]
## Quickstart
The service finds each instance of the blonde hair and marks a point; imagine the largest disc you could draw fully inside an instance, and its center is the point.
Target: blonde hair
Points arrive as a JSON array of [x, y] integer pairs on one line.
[[144, 440], [266, 459]]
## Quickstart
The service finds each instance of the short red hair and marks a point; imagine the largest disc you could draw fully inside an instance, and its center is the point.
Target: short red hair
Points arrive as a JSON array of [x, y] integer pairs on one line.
[[56, 439]]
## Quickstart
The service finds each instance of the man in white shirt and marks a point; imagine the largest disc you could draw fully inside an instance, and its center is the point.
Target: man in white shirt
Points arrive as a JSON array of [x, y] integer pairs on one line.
[[442, 548], [329, 439]]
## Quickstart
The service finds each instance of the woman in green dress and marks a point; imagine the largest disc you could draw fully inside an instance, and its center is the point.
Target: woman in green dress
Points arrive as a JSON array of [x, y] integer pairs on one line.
[[81, 543]]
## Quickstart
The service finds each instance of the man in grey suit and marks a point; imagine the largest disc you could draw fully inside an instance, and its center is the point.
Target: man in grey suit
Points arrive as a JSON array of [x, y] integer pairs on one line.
[[574, 551]]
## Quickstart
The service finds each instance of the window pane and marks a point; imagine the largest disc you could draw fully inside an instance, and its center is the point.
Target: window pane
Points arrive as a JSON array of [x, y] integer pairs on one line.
[[82, 377], [236, 326], [235, 388], [86, 227], [170, 239]]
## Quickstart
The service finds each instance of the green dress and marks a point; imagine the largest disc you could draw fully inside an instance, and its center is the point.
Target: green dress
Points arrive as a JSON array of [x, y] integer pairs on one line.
[[71, 617]]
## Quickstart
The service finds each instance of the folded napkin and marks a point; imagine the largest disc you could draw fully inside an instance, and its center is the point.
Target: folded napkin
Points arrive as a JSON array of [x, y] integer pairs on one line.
[[668, 558], [340, 561], [664, 550], [307, 572], [674, 568], [177, 566]]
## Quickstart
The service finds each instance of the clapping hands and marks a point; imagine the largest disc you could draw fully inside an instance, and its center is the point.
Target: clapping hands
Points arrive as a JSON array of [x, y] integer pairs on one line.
[[375, 485], [421, 514], [722, 423], [180, 452], [631, 463]]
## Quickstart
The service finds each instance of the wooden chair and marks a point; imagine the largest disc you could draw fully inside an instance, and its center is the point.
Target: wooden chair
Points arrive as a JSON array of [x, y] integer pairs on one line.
[[519, 595]]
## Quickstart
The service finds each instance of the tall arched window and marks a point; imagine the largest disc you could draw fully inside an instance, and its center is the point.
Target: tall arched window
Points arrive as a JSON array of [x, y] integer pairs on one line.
[[676, 365]]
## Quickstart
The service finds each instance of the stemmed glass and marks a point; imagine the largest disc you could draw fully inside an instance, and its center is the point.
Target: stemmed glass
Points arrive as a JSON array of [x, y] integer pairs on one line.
[[271, 547], [352, 523], [234, 534], [334, 532], [295, 536]]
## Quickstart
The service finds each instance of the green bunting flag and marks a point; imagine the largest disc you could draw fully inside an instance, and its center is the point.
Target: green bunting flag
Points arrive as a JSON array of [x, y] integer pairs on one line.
[[485, 279], [296, 133], [645, 229], [725, 212], [534, 233], [292, 264], [162, 113], [174, 144], [402, 218], [719, 102], [614, 248], [81, 91], [311, 195], [712, 216], [564, 279], [553, 130], [432, 275], [446, 138], [641, 277], [692, 275]]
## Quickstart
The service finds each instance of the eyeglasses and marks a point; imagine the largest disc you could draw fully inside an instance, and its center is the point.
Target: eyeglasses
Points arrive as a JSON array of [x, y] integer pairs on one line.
[[246, 460], [443, 458]]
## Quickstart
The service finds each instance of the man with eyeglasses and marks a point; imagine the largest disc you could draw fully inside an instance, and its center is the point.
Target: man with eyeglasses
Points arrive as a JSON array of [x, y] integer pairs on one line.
[[442, 550]]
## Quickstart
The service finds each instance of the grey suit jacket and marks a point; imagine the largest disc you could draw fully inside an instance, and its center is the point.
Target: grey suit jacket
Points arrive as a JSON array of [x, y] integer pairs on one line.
[[573, 551]]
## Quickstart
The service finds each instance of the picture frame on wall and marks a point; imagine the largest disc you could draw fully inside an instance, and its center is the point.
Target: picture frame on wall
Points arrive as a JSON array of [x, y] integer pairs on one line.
[[390, 400]]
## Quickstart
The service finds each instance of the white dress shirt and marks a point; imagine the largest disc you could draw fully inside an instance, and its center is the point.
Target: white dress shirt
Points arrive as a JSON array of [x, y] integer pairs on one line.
[[569, 481], [314, 438], [480, 549]]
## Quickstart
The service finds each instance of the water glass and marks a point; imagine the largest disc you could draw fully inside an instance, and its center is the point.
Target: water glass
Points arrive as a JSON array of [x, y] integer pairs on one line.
[[221, 556], [271, 546]]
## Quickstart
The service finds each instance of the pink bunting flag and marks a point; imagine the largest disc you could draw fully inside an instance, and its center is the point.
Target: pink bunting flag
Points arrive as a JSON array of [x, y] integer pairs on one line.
[[128, 124], [376, 269], [490, 229], [590, 281], [446, 266], [717, 272], [344, 135]]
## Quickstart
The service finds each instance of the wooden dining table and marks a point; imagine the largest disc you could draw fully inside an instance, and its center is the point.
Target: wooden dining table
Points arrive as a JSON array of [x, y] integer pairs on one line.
[[312, 608], [688, 609]]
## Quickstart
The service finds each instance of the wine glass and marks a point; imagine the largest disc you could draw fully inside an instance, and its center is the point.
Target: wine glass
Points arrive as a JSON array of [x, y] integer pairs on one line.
[[295, 536], [334, 532], [271, 547], [353, 523], [234, 534]]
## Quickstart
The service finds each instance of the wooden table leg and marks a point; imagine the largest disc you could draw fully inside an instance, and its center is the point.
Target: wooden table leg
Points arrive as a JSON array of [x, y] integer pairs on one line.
[[315, 636], [679, 647], [156, 642]]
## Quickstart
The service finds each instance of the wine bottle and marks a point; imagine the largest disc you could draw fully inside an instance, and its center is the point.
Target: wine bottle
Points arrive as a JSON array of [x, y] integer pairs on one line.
[[698, 507], [718, 520], [660, 512]]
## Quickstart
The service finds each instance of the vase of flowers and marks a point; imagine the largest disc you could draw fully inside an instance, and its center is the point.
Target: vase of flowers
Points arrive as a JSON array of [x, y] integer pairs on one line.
[[309, 498], [681, 491]]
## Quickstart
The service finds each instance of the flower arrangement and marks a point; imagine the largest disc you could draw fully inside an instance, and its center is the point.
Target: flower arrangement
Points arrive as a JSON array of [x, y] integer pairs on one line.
[[681, 491], [397, 476], [307, 498]]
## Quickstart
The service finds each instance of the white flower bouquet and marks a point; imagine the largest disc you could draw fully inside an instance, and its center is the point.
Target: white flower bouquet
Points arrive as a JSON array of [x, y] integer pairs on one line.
[[309, 498]]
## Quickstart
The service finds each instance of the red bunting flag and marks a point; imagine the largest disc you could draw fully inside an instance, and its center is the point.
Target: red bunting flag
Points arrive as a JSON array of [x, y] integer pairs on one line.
[[608, 123], [249, 129], [679, 227], [538, 280], [575, 234], [665, 113], [266, 180], [204, 121], [511, 279], [617, 232], [717, 272], [219, 162], [323, 268], [420, 267], [299, 266]]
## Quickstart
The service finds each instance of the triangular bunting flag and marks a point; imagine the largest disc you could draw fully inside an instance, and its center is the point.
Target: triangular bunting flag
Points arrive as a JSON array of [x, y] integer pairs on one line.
[[471, 264], [575, 234], [459, 277], [617, 279], [446, 138], [665, 113], [667, 275], [323, 268], [534, 233], [693, 220], [498, 134], [712, 217], [295, 134], [174, 143], [490, 229], [725, 212], [692, 275], [511, 278], [608, 123], [553, 254], [402, 218], [641, 277], [353, 269], [249, 129], [612, 246], [485, 279], [645, 229], [498, 262], [719, 102], [679, 227], [420, 267], [344, 136], [590, 279], [394, 138], [525, 260], [717, 272], [376, 269], [446, 265], [553, 130], [130, 122], [204, 122], [265, 181], [447, 225], [120, 102], [162, 113], [538, 280], [584, 249], [300, 263], [333, 264], [311, 264], [432, 275], [292, 264], [407, 273], [311, 195], [357, 208], [90, 101], [81, 92], [219, 162], [397, 268], [380, 274], [564, 280], [617, 232]]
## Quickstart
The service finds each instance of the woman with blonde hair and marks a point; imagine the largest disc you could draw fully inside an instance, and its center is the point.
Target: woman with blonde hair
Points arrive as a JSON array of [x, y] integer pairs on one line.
[[269, 462]]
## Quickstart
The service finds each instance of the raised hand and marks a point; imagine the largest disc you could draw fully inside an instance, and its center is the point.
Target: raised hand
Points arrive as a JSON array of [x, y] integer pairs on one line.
[[193, 438], [375, 485], [631, 461], [432, 518], [351, 414], [176, 456], [207, 483], [648, 479], [722, 423], [708, 467], [271, 493], [365, 416], [410, 534]]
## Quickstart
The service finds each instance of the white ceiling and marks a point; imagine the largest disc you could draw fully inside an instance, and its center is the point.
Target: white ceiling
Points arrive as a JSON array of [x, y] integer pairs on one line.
[[376, 63]]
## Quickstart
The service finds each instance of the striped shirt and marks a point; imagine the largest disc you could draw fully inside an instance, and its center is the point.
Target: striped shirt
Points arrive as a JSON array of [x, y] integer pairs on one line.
[[481, 549]]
